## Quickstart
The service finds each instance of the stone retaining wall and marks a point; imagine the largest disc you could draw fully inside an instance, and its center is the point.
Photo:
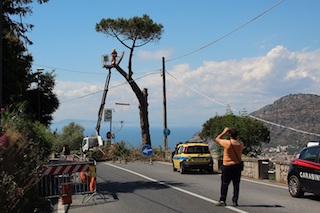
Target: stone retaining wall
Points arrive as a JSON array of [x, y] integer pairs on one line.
[[281, 171], [259, 169]]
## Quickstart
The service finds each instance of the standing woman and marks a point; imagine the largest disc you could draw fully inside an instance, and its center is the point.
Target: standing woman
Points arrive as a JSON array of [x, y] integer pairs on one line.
[[231, 169]]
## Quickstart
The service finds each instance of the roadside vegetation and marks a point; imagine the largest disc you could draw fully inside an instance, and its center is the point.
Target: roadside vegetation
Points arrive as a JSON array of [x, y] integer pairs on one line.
[[120, 152], [252, 132], [25, 140], [24, 146], [73, 133]]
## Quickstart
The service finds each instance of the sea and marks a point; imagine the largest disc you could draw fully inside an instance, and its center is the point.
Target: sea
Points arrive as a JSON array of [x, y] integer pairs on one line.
[[131, 135]]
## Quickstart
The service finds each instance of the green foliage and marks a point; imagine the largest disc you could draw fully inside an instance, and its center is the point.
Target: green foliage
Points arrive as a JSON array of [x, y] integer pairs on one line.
[[42, 102], [121, 150], [72, 135], [18, 79], [25, 142], [219, 151], [24, 146], [252, 132], [96, 154], [229, 110], [136, 29], [114, 151]]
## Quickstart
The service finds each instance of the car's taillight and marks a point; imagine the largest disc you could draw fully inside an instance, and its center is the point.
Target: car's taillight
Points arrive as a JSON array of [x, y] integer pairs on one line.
[[185, 151]]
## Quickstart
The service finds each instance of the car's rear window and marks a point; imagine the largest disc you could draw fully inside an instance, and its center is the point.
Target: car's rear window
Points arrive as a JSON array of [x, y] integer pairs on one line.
[[198, 149], [310, 154]]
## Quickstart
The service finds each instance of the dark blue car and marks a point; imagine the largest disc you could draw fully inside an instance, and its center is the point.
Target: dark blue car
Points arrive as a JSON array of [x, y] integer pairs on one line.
[[304, 172]]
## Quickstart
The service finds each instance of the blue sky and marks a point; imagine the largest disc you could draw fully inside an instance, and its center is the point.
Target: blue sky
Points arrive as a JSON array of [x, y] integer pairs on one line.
[[275, 55]]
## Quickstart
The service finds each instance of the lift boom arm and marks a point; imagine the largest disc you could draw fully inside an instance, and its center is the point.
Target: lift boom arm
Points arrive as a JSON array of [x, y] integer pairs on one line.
[[103, 101]]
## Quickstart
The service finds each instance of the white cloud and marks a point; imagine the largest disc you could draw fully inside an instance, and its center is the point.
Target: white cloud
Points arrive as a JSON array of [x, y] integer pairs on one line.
[[69, 89], [193, 96], [154, 55]]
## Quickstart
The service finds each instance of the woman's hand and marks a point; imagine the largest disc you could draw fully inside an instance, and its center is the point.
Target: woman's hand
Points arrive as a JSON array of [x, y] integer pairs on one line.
[[219, 137], [226, 130]]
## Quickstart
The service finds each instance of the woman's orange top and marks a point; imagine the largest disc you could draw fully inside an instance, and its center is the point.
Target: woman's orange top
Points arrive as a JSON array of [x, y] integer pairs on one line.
[[229, 154]]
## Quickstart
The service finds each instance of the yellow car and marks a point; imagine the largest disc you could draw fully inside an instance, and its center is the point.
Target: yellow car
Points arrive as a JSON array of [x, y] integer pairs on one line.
[[192, 156]]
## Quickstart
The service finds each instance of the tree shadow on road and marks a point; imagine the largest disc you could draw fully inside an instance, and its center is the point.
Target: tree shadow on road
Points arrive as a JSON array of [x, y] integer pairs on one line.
[[115, 187]]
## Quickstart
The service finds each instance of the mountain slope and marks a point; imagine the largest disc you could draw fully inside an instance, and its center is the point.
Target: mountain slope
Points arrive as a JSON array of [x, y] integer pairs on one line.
[[298, 111]]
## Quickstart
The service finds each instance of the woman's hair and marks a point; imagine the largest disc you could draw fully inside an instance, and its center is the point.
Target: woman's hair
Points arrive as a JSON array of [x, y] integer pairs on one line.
[[233, 133]]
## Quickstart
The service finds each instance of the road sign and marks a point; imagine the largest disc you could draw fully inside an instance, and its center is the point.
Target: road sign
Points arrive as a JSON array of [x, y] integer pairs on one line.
[[108, 135], [166, 132], [147, 150], [107, 114]]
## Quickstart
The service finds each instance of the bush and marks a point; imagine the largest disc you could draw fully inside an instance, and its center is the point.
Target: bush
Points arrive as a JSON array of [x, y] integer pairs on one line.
[[24, 147], [96, 154]]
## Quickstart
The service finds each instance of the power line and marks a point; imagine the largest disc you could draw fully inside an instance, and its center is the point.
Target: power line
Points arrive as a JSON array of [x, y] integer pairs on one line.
[[220, 103], [187, 54], [69, 70], [286, 127], [224, 36], [90, 94], [186, 85], [254, 117], [83, 72]]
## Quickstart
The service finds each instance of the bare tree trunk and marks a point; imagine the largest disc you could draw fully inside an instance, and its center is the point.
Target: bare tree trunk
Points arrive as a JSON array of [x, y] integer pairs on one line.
[[143, 105], [144, 118]]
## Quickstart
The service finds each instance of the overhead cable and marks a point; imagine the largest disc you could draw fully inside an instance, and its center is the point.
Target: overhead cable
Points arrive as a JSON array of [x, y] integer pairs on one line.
[[80, 97], [222, 37], [233, 109]]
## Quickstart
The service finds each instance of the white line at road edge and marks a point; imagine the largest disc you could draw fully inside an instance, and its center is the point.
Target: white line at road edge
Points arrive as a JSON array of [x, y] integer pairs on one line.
[[266, 184], [248, 180], [61, 208], [176, 188]]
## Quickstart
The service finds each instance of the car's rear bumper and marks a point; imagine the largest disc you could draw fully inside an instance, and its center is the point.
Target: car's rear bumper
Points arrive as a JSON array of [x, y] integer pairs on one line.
[[198, 165]]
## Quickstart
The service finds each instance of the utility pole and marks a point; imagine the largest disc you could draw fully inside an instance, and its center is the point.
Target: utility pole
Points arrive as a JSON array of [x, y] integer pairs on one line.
[[166, 131]]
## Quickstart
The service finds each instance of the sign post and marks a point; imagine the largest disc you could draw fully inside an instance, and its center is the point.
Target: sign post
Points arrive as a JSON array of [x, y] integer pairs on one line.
[[108, 117], [147, 151]]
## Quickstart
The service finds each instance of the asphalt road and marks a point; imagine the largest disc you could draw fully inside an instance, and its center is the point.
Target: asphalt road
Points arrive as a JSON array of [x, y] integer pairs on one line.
[[141, 187]]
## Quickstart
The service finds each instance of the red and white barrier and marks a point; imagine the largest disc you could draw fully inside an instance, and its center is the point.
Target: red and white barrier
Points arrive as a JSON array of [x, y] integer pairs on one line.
[[65, 169], [55, 174]]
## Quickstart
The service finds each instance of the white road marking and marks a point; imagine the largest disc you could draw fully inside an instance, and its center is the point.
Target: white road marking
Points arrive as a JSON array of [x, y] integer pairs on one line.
[[266, 184], [176, 188], [61, 208], [244, 179]]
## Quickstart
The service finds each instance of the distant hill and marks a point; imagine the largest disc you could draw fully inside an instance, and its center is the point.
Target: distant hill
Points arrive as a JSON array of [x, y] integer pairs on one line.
[[299, 111]]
